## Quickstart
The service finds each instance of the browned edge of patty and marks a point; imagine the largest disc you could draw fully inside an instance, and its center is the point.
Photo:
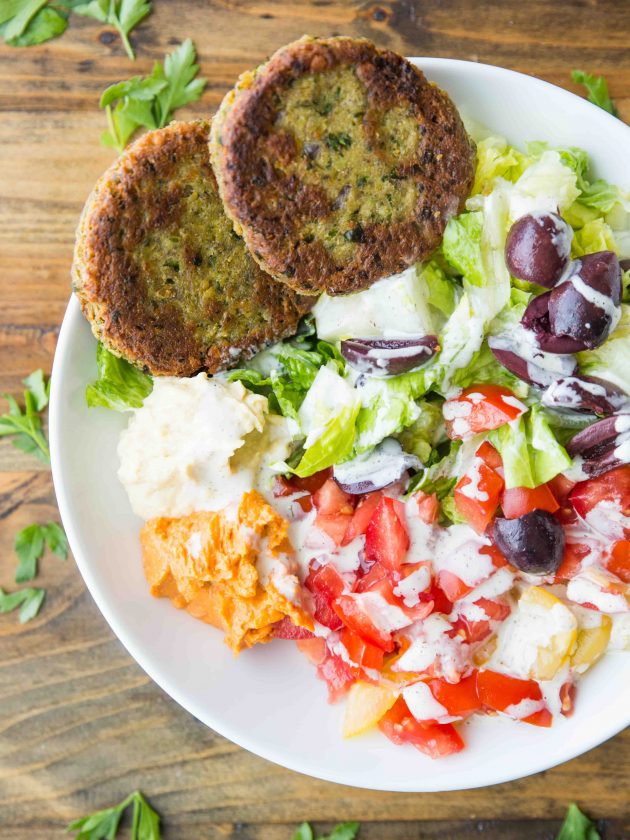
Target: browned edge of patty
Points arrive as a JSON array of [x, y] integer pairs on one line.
[[111, 289], [269, 209]]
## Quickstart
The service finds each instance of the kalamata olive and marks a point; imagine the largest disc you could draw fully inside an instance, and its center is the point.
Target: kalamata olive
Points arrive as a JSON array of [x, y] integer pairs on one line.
[[585, 394], [384, 465], [586, 306], [388, 356], [520, 354], [536, 318], [538, 248], [624, 265], [603, 446], [534, 543]]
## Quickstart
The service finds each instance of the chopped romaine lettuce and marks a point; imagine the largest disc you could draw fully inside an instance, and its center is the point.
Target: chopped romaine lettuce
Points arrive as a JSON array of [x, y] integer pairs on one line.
[[531, 454], [609, 361], [425, 432], [461, 246], [119, 385], [594, 236], [441, 476], [442, 291], [333, 445], [388, 407], [496, 159]]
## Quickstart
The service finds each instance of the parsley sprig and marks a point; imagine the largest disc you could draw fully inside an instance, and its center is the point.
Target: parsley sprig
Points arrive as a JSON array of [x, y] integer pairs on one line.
[[596, 89], [24, 426], [29, 600], [123, 15], [343, 831], [103, 825], [150, 101], [29, 546]]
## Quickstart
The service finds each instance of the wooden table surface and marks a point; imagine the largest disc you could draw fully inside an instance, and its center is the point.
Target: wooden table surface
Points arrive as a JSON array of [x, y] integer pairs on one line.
[[80, 723]]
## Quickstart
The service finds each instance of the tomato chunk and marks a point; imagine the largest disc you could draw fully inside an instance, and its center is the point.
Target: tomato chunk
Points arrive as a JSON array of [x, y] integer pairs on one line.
[[362, 652], [361, 517], [613, 486], [561, 487], [517, 501], [351, 611], [460, 699], [477, 495], [574, 554], [334, 525], [619, 562], [477, 631], [428, 507], [432, 739], [338, 676], [314, 649], [501, 693], [489, 455], [286, 629], [479, 409], [326, 584], [386, 537], [331, 499]]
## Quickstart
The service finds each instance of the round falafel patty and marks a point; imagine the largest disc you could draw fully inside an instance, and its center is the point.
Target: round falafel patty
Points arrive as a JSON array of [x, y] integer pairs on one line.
[[159, 271], [339, 164]]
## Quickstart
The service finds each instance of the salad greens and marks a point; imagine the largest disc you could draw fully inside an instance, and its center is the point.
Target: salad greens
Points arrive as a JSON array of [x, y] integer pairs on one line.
[[150, 101], [29, 546], [119, 385], [123, 15], [597, 90], [343, 831], [24, 426]]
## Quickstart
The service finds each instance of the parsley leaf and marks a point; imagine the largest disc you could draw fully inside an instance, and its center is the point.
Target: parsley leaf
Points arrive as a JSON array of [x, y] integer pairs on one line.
[[27, 22], [597, 90], [103, 825], [149, 102], [343, 831], [577, 826], [30, 601], [25, 426], [29, 547], [123, 15]]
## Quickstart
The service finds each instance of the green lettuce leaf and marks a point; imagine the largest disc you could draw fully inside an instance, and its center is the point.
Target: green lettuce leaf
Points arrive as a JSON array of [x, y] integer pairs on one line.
[[119, 385], [596, 90], [496, 159], [425, 432], [609, 361], [530, 452], [442, 290], [441, 476], [461, 246], [594, 236], [388, 408], [334, 444]]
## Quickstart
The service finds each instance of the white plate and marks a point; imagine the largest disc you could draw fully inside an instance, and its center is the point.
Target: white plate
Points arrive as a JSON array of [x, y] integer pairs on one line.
[[269, 700]]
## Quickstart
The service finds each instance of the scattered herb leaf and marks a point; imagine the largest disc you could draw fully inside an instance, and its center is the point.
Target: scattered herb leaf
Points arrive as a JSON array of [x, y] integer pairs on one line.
[[29, 600], [149, 102], [597, 90], [123, 15], [343, 831], [577, 826], [29, 546], [103, 825], [24, 426]]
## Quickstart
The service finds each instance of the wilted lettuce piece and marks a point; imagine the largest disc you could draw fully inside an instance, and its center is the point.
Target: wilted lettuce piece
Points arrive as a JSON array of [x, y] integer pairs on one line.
[[611, 360], [119, 385], [496, 159], [426, 431], [461, 246], [594, 236], [442, 291], [530, 452]]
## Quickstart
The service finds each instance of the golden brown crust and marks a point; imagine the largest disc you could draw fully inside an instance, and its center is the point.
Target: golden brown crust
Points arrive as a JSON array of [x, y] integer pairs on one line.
[[159, 272], [259, 163]]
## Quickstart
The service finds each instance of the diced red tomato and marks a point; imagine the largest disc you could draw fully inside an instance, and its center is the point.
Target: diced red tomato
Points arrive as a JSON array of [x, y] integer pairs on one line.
[[574, 554], [481, 408], [314, 649], [479, 509], [460, 699], [362, 516], [561, 487], [377, 572], [386, 537], [331, 499], [477, 631], [326, 584], [385, 589], [453, 587], [517, 501], [619, 562], [500, 691], [287, 486], [613, 486], [362, 652], [334, 524], [286, 629], [338, 676], [433, 739], [489, 455], [351, 611], [441, 603], [428, 507]]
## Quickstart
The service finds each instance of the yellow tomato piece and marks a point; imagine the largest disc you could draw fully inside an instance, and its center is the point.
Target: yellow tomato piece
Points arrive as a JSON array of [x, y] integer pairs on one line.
[[591, 644], [366, 705], [552, 655]]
